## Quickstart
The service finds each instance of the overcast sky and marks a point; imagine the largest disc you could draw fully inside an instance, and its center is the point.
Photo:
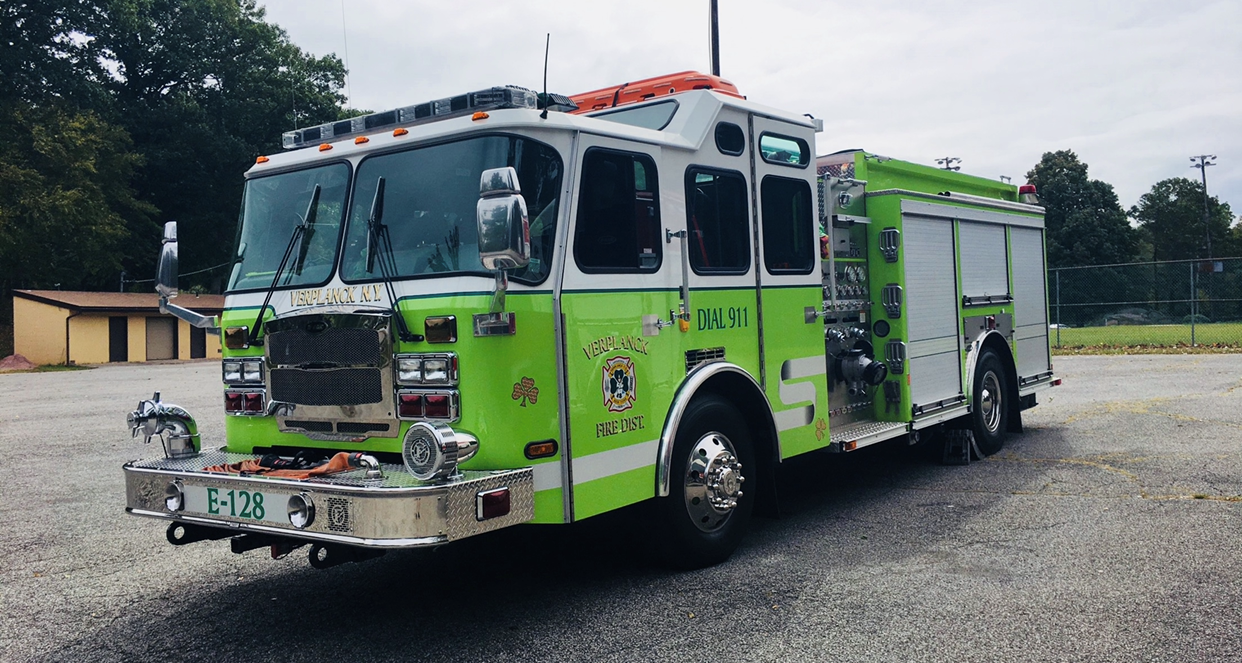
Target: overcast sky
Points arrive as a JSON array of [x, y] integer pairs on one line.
[[1134, 87]]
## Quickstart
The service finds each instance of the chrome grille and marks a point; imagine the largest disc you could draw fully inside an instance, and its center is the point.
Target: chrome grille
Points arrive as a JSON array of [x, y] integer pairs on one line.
[[333, 346], [338, 386]]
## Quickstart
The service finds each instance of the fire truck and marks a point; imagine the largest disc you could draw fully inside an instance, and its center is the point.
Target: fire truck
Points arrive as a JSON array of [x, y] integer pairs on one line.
[[507, 307]]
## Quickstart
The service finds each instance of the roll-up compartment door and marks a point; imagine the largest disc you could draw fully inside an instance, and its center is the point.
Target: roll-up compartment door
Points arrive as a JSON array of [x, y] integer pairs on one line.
[[931, 304], [985, 263], [1030, 307]]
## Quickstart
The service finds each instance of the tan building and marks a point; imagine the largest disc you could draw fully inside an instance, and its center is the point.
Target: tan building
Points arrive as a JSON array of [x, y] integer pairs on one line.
[[101, 327]]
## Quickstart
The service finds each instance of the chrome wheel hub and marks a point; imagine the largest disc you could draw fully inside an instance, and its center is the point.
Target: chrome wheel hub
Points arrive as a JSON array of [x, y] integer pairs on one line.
[[713, 481], [990, 402]]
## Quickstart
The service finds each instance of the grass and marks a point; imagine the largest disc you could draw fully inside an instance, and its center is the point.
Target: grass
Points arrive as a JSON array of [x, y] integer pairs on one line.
[[1133, 339]]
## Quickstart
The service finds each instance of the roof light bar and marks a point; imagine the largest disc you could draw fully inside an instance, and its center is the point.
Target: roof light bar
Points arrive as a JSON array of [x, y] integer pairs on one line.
[[496, 98]]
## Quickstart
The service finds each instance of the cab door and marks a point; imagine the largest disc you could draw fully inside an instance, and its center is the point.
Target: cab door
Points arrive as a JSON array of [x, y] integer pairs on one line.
[[619, 268], [790, 286]]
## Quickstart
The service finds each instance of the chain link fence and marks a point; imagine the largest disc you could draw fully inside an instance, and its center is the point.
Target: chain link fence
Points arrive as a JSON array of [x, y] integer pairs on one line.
[[1181, 302]]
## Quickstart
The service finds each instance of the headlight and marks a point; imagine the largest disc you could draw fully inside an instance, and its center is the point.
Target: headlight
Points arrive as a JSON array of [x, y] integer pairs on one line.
[[301, 510], [252, 371], [435, 370], [232, 372], [410, 370], [174, 496], [428, 369]]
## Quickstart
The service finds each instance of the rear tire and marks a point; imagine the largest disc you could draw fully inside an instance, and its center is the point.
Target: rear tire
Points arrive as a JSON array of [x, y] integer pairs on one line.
[[712, 487], [989, 415]]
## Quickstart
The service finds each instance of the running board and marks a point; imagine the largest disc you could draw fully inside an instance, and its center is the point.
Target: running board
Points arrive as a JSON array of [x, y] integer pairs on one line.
[[857, 436]]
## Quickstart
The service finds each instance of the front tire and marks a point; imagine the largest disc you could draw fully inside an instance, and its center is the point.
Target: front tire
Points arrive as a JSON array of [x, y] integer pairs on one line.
[[990, 403], [712, 489]]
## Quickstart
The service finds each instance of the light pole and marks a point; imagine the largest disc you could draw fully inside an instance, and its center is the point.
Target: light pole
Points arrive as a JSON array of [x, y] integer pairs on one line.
[[1202, 162], [713, 40], [947, 163]]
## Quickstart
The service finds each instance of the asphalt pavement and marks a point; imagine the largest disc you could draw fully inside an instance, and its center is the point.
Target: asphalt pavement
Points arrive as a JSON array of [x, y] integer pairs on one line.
[[1107, 531]]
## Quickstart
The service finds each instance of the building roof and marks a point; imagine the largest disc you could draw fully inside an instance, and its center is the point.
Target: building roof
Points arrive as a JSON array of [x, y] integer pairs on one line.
[[118, 301]]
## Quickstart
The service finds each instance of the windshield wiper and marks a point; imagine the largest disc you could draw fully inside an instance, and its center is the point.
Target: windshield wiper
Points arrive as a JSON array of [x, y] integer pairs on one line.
[[378, 239], [304, 230]]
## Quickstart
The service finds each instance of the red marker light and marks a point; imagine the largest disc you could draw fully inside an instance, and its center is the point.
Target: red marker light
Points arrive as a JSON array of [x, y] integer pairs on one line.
[[492, 504]]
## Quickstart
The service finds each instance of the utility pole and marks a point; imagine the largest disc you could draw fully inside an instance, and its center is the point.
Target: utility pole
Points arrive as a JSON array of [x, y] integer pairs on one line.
[[1202, 162], [713, 43], [947, 163]]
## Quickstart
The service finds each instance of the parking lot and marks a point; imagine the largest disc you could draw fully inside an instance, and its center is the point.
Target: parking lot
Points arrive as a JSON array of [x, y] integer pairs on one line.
[[1108, 531]]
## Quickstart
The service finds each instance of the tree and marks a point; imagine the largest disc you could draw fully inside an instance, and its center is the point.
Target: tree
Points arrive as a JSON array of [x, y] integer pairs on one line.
[[40, 58], [1171, 215], [204, 88], [1085, 224], [119, 114], [65, 199]]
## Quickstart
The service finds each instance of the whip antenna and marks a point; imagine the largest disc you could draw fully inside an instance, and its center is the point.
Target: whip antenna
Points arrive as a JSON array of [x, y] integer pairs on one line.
[[546, 46]]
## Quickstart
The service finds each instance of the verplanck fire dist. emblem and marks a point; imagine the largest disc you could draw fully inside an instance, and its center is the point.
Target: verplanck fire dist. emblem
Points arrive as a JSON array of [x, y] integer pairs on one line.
[[620, 385]]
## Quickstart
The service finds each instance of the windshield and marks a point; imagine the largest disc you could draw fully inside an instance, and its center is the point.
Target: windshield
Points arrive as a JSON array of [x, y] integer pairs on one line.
[[272, 206], [430, 197]]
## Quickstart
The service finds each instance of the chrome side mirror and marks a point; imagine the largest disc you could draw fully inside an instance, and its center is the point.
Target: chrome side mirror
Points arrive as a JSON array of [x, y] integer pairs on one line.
[[166, 273], [504, 229]]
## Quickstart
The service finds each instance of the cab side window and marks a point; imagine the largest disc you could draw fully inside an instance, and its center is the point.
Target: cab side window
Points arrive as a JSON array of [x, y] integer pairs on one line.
[[618, 226], [717, 218], [788, 240]]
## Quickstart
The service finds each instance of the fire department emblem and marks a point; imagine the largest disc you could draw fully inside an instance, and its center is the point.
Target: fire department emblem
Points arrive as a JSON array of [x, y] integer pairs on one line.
[[620, 385]]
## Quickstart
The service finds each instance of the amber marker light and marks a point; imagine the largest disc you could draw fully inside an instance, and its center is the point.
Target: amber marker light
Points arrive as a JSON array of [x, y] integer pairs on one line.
[[399, 132], [361, 139], [479, 116], [541, 449], [237, 338], [262, 160], [324, 147]]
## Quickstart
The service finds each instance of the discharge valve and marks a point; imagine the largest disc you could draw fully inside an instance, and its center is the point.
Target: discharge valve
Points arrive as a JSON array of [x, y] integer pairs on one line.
[[858, 370]]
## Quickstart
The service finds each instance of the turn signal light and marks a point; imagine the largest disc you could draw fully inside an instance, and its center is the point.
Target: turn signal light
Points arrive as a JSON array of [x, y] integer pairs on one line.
[[324, 147], [243, 402], [438, 407], [399, 132], [262, 160], [541, 449], [479, 116], [361, 139], [410, 405]]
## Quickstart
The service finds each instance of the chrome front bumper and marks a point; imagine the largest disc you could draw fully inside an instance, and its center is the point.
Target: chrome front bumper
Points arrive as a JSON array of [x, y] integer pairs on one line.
[[396, 511]]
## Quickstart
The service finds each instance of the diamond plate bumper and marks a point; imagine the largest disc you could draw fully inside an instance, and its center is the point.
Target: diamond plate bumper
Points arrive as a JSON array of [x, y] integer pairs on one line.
[[397, 511]]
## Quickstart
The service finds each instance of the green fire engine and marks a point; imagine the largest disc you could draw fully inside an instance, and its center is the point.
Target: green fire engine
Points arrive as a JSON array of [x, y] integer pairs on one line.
[[507, 307]]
